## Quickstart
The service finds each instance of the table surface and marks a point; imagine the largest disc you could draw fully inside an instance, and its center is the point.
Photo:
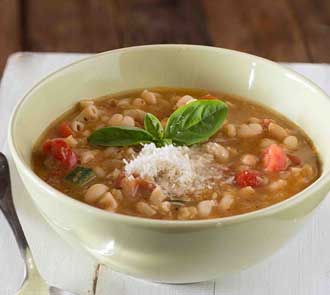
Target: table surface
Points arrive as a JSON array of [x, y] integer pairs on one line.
[[302, 267], [282, 30]]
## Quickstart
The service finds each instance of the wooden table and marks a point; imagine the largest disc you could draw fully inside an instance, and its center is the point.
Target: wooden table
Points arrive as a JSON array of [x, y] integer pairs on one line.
[[302, 267], [282, 30]]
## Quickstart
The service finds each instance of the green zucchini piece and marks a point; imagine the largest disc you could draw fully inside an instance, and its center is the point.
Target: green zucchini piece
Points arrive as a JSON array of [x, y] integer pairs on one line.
[[80, 175]]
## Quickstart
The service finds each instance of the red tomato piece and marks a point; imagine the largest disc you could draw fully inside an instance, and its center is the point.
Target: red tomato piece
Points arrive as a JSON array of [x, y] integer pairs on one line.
[[65, 130], [248, 178], [275, 158], [60, 150]]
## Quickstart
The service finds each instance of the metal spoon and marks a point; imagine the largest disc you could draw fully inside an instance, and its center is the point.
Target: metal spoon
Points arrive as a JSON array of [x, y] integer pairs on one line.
[[33, 283]]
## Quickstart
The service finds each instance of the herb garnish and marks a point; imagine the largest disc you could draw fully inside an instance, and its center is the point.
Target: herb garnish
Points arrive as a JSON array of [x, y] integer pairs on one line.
[[193, 123]]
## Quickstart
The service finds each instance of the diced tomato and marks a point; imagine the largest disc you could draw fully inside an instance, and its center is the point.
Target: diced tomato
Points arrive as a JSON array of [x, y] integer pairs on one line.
[[65, 130], [209, 96], [248, 178], [145, 185], [275, 158], [295, 161], [60, 150]]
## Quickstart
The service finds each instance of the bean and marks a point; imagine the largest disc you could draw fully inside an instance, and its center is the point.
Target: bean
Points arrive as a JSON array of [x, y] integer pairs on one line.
[[107, 202], [99, 171], [157, 196], [139, 102], [291, 142], [204, 208], [187, 213], [149, 97], [95, 192], [276, 131], [218, 151], [249, 159], [184, 100], [87, 156], [247, 191], [145, 209], [277, 185], [71, 141], [249, 130], [230, 130], [165, 207], [266, 142], [226, 202], [254, 120], [136, 114], [128, 121]]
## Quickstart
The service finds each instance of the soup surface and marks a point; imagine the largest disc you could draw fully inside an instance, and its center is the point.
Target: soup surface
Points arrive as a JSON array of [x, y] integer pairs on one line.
[[239, 158]]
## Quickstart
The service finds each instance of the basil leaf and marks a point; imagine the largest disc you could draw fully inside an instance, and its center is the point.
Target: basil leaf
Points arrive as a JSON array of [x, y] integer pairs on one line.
[[153, 126], [196, 122], [119, 136]]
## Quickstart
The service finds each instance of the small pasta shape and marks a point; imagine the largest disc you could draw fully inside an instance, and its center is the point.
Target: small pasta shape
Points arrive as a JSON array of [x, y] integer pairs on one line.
[[90, 113], [77, 126]]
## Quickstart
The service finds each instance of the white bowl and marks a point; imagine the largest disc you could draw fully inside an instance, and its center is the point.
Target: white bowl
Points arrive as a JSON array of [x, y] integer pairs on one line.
[[173, 251]]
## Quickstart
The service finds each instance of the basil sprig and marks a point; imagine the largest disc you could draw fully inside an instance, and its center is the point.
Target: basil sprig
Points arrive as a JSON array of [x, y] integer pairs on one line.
[[193, 123]]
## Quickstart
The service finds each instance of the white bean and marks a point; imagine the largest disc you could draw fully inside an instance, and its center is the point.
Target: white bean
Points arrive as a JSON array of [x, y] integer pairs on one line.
[[128, 121], [149, 97], [99, 171], [204, 208], [95, 192], [87, 156], [226, 202], [276, 131], [277, 185], [249, 130], [230, 130], [145, 209], [157, 196], [291, 142], [136, 114], [71, 141], [107, 202], [187, 213], [266, 142], [249, 159], [139, 102], [184, 100], [247, 191], [219, 151]]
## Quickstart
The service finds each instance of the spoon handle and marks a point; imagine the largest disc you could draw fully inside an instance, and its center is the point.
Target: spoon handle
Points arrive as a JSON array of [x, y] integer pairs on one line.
[[8, 209]]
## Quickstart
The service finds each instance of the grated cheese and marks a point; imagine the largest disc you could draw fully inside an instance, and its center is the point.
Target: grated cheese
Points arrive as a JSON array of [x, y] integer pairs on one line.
[[177, 170]]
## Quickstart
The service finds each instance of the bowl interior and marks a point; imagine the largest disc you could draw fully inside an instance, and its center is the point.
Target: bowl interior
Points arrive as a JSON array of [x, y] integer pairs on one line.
[[174, 66]]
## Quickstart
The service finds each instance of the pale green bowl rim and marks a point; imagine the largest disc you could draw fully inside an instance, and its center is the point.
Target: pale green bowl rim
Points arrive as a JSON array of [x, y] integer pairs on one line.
[[49, 190]]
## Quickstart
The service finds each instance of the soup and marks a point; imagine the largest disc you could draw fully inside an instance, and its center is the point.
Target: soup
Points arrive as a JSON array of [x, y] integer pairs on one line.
[[175, 154]]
